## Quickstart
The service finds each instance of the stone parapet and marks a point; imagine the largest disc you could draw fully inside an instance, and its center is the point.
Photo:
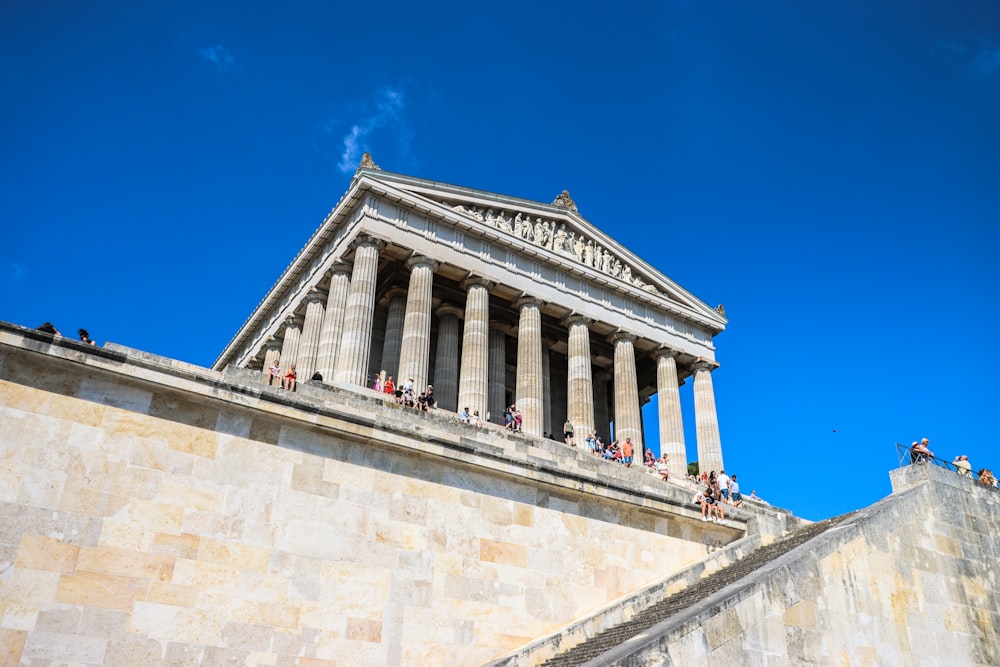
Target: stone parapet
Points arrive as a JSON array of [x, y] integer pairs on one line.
[[213, 515]]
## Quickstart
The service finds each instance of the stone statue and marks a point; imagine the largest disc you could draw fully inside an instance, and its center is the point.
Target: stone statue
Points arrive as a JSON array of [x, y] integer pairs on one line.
[[627, 273], [588, 253], [721, 310], [565, 201], [368, 163], [539, 232], [503, 222], [578, 248], [559, 238]]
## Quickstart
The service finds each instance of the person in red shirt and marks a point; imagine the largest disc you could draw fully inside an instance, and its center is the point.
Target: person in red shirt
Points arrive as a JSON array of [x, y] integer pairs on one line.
[[390, 387]]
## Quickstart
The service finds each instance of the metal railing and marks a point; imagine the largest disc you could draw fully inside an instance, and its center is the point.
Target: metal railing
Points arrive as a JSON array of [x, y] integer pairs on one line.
[[907, 456]]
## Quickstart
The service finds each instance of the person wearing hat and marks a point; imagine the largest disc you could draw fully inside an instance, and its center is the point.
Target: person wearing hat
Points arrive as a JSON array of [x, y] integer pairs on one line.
[[962, 465]]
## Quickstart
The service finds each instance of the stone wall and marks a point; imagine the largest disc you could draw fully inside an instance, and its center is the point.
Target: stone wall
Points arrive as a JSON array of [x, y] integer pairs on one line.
[[910, 580], [153, 512]]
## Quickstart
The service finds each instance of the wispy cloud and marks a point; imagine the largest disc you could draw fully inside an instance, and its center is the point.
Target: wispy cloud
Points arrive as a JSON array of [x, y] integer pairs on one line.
[[980, 57], [384, 113], [986, 61], [219, 56]]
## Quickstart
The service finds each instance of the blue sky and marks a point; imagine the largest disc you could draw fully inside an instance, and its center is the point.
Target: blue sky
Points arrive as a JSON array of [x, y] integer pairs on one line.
[[828, 171]]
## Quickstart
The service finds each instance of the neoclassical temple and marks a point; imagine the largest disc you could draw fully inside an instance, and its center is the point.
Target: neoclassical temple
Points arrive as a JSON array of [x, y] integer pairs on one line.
[[495, 301]]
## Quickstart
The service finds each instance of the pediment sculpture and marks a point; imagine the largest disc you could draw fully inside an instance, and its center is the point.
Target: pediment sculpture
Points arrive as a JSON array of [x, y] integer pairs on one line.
[[554, 236]]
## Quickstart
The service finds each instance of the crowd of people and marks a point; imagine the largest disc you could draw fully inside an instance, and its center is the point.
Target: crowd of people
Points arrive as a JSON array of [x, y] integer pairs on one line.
[[920, 452], [406, 394], [719, 490]]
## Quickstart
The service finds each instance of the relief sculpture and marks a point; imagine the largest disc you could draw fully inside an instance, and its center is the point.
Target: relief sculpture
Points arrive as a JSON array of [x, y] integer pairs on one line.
[[548, 234]]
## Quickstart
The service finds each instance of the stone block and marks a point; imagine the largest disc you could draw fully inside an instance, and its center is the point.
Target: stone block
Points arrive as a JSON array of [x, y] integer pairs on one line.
[[365, 630], [11, 645], [176, 624], [172, 594], [26, 586], [176, 546], [503, 552], [60, 620], [45, 553], [93, 589], [60, 648], [133, 651], [134, 564]]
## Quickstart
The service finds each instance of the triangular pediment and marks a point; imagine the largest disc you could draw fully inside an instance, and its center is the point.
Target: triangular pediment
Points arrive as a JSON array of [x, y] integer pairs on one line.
[[556, 228]]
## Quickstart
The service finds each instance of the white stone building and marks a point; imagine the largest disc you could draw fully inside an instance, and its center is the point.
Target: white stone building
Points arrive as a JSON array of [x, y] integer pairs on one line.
[[495, 301]]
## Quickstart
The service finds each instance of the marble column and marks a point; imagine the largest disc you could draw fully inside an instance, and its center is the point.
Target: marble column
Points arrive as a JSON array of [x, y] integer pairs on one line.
[[352, 359], [473, 383], [705, 418], [602, 419], [415, 351], [312, 326], [528, 389], [547, 388], [333, 320], [290, 343], [498, 371], [669, 400], [628, 419], [272, 351], [394, 332], [446, 358], [579, 378]]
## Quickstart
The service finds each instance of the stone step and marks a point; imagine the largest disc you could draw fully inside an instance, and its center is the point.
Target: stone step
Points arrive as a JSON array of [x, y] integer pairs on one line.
[[608, 639]]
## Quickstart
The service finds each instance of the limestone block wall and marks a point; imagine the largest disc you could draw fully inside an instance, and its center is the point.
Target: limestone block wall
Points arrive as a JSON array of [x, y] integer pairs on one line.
[[909, 581], [152, 512]]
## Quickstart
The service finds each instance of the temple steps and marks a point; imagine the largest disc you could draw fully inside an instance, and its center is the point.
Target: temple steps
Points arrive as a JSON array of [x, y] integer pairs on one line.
[[610, 638]]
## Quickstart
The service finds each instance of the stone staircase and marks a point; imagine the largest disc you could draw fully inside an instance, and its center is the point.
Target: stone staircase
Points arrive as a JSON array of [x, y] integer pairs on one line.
[[610, 638]]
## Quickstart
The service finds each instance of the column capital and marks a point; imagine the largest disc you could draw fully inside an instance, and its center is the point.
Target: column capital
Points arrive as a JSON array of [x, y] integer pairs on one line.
[[272, 344], [622, 335], [417, 260], [448, 309], [315, 294], [665, 351], [528, 301], [391, 294], [367, 240], [293, 321], [500, 324], [339, 266], [702, 364], [473, 280], [576, 318]]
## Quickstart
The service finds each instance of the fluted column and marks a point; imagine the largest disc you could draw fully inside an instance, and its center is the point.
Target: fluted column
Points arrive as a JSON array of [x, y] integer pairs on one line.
[[529, 365], [601, 418], [312, 326], [473, 383], [546, 387], [446, 359], [416, 348], [706, 419], [272, 351], [628, 419], [290, 343], [498, 371], [671, 423], [352, 360], [333, 320], [579, 378], [394, 331]]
